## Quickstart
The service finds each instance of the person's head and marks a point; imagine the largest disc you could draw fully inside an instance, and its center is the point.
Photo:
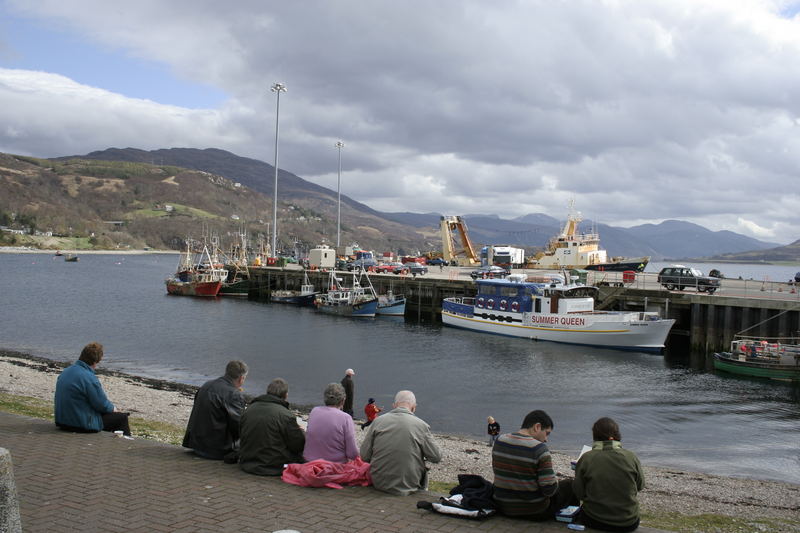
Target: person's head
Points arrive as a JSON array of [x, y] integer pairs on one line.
[[606, 429], [279, 388], [334, 395], [371, 400], [490, 419], [349, 372], [92, 353], [538, 425], [405, 398], [236, 371]]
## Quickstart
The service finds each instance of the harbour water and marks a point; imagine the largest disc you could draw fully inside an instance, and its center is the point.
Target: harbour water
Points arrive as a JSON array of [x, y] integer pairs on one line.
[[673, 409]]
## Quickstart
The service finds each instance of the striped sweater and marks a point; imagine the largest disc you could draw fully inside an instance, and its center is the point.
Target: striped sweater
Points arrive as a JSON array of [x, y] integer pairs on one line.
[[524, 479]]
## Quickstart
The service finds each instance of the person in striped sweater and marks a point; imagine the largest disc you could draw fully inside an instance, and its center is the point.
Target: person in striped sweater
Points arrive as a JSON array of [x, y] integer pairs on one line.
[[525, 483]]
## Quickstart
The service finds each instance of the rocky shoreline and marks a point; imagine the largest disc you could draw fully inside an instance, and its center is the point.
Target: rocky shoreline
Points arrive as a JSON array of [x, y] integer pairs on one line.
[[668, 490]]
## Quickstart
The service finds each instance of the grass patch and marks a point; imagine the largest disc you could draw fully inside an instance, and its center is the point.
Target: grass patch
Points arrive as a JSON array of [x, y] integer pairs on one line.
[[714, 523], [140, 428], [442, 487]]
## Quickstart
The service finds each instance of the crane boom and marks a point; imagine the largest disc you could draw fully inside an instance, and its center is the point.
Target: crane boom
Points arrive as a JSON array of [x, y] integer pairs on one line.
[[455, 241]]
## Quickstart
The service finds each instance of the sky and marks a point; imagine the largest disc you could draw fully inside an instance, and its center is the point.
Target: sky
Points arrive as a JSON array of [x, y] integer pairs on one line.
[[638, 110]]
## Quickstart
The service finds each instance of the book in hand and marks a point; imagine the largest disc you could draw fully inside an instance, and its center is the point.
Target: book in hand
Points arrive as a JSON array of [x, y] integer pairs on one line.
[[567, 514], [585, 449]]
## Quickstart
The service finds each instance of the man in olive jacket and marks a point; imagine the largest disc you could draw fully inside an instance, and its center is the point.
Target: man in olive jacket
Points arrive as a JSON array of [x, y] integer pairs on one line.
[[271, 437], [213, 429]]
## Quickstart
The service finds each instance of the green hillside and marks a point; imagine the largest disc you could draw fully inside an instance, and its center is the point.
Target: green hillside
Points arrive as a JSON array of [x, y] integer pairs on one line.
[[120, 204]]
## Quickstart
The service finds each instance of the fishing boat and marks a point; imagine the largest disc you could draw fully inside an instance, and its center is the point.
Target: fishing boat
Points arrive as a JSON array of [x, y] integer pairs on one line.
[[572, 249], [356, 301], [237, 283], [391, 304], [304, 297], [559, 310], [772, 358], [70, 258], [196, 278]]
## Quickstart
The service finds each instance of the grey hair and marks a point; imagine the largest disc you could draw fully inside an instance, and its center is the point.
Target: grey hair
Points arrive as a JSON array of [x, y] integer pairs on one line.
[[334, 395], [278, 387], [405, 397], [236, 369]]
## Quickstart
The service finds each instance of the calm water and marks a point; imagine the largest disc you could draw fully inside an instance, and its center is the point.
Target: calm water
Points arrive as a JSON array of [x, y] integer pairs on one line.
[[672, 410]]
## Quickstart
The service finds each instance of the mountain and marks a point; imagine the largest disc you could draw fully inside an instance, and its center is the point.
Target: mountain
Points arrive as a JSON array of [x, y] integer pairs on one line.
[[675, 239], [108, 204], [790, 252], [307, 212]]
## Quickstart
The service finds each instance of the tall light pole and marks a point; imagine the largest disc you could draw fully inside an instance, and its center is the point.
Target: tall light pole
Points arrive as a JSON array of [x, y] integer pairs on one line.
[[277, 88], [339, 145]]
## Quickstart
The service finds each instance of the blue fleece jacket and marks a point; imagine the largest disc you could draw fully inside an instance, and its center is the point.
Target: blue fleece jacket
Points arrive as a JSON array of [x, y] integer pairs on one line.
[[80, 400]]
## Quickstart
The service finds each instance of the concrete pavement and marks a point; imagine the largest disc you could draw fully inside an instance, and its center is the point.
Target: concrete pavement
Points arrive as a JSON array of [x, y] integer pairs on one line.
[[103, 483]]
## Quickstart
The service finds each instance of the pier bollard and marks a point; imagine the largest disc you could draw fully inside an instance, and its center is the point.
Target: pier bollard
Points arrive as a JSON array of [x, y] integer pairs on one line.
[[9, 505]]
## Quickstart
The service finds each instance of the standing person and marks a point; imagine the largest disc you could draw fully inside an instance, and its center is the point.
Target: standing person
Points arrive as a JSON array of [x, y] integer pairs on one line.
[[370, 411], [607, 480], [525, 484], [331, 434], [492, 429], [349, 395], [213, 429], [81, 405], [271, 437], [397, 445]]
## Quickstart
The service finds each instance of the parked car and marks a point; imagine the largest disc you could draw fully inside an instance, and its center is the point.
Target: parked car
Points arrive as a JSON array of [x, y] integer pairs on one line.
[[491, 271], [680, 277], [436, 261], [366, 264], [387, 268], [413, 269]]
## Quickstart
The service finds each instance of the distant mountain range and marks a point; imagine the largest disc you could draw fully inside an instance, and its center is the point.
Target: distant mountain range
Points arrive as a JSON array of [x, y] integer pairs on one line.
[[671, 239]]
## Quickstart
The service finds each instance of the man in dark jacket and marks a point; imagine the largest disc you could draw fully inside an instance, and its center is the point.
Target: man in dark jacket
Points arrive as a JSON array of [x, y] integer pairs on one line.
[[213, 429], [347, 383], [271, 437]]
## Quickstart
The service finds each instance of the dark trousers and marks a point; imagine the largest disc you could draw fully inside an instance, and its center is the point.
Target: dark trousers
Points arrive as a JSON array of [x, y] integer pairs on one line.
[[111, 422], [588, 521], [563, 498]]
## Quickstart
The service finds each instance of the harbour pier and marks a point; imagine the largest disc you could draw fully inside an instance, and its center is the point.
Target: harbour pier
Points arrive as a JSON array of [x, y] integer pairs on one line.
[[703, 322]]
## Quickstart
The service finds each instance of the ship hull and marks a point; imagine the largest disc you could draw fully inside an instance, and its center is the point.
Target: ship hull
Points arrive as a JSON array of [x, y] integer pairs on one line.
[[365, 309], [193, 288]]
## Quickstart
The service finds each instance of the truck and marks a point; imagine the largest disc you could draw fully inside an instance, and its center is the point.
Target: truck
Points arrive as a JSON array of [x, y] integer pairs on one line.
[[506, 256]]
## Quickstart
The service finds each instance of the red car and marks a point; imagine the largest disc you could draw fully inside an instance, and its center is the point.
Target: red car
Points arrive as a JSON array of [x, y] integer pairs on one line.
[[389, 268]]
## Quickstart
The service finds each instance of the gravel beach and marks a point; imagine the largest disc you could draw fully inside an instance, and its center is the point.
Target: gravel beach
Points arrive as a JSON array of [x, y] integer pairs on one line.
[[670, 490]]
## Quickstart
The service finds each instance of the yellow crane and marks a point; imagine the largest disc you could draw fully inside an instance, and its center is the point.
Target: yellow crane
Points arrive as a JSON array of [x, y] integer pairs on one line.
[[455, 242]]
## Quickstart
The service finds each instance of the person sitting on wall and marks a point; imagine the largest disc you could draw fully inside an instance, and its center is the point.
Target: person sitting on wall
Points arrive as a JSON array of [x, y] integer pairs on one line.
[[81, 405], [213, 429], [607, 480], [271, 436], [330, 434]]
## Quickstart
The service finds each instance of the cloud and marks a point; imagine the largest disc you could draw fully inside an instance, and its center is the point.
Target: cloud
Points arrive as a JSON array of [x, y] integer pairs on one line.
[[640, 110]]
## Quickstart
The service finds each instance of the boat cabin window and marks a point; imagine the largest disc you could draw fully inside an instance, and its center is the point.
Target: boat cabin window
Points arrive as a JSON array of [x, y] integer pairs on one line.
[[581, 292], [509, 291], [487, 290]]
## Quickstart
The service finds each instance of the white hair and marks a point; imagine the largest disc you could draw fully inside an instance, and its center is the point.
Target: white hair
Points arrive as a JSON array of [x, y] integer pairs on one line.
[[406, 398]]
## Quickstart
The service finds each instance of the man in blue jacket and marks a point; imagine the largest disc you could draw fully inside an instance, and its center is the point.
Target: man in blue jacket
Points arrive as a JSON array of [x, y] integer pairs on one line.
[[81, 404]]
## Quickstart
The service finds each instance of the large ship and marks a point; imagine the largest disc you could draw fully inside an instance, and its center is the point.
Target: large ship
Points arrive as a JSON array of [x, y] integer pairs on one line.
[[572, 249], [553, 311]]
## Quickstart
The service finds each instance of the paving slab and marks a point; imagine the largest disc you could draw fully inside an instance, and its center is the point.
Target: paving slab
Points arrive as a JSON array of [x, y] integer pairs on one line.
[[101, 482]]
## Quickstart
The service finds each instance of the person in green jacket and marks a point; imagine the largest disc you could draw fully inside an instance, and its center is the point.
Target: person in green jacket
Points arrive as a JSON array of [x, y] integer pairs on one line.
[[269, 433], [607, 480]]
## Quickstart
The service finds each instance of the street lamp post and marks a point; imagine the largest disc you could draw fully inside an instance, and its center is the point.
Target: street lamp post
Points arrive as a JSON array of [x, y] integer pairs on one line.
[[339, 145], [277, 88]]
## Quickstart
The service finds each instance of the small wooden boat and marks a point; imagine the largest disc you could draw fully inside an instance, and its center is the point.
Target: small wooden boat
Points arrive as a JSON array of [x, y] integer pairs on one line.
[[71, 258], [761, 357]]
